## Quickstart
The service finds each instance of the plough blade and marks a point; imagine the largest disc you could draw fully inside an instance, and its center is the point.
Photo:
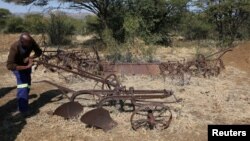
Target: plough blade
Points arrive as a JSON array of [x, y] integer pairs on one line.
[[99, 118], [69, 110]]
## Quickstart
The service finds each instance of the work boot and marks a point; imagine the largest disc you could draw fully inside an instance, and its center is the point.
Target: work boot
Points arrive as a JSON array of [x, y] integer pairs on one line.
[[17, 116], [26, 114], [21, 115]]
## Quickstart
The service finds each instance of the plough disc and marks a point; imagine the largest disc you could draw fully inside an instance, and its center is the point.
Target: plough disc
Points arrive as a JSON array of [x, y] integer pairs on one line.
[[99, 118], [69, 110]]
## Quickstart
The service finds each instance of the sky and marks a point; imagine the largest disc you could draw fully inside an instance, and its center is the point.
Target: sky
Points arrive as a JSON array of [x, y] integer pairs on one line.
[[13, 8]]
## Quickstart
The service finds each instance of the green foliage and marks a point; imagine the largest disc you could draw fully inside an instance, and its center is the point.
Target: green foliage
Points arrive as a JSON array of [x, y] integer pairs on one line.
[[148, 54], [35, 23], [154, 19], [79, 25], [244, 30], [14, 25], [114, 52], [228, 16], [121, 22], [92, 24], [4, 15], [131, 25], [195, 26], [58, 28], [159, 18]]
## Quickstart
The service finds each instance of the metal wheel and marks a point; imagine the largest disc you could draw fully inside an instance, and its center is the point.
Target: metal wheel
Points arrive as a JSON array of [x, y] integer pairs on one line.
[[153, 116], [111, 79], [112, 83], [98, 86]]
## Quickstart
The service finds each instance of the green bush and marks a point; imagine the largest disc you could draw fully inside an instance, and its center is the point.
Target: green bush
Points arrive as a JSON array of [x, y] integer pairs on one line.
[[4, 15], [59, 28], [131, 25], [195, 26], [14, 25], [35, 23], [92, 24]]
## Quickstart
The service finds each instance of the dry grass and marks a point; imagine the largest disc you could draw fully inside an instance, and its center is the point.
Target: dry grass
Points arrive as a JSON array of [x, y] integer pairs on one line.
[[219, 100], [6, 40]]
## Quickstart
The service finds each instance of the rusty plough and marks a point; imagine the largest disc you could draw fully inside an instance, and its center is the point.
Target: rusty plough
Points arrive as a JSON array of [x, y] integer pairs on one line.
[[81, 59], [205, 66], [200, 66], [148, 111]]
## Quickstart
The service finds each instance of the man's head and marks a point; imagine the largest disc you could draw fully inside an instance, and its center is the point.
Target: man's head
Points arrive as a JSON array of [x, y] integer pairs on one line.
[[26, 40]]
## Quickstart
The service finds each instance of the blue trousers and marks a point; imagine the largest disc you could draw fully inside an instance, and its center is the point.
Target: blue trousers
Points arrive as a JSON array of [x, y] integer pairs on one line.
[[23, 78]]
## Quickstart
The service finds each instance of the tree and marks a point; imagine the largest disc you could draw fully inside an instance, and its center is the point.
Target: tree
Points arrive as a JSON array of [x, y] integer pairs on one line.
[[92, 24], [228, 16], [195, 26], [158, 17], [14, 25], [26, 2], [4, 15], [131, 25], [58, 28], [35, 23]]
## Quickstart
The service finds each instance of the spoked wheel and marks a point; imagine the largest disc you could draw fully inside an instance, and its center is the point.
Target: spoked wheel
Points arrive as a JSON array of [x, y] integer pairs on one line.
[[153, 116], [98, 86], [112, 82]]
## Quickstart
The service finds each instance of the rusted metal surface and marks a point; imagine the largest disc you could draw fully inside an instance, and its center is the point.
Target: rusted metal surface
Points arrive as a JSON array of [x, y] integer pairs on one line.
[[132, 68], [115, 92], [63, 89], [149, 111], [99, 118], [111, 91], [80, 59], [125, 94], [200, 66], [136, 95], [69, 110], [76, 71], [152, 116], [211, 65], [83, 62]]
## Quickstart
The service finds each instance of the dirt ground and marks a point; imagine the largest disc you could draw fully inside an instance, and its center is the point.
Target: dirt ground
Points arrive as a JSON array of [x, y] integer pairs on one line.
[[217, 100]]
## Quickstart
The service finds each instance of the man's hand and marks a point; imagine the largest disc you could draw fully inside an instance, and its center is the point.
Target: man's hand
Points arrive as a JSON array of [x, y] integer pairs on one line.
[[25, 67], [30, 63], [26, 60]]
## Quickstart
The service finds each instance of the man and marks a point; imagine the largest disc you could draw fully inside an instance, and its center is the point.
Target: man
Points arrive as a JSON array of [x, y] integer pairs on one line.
[[20, 63]]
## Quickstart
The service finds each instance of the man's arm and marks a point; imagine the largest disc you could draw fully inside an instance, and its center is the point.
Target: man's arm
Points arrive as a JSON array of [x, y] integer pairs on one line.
[[37, 50], [11, 64], [22, 67]]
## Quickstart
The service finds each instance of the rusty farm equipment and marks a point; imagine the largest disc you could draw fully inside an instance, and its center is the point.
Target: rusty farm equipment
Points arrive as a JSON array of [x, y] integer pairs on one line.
[[210, 65], [148, 107], [147, 111], [89, 61], [86, 60]]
